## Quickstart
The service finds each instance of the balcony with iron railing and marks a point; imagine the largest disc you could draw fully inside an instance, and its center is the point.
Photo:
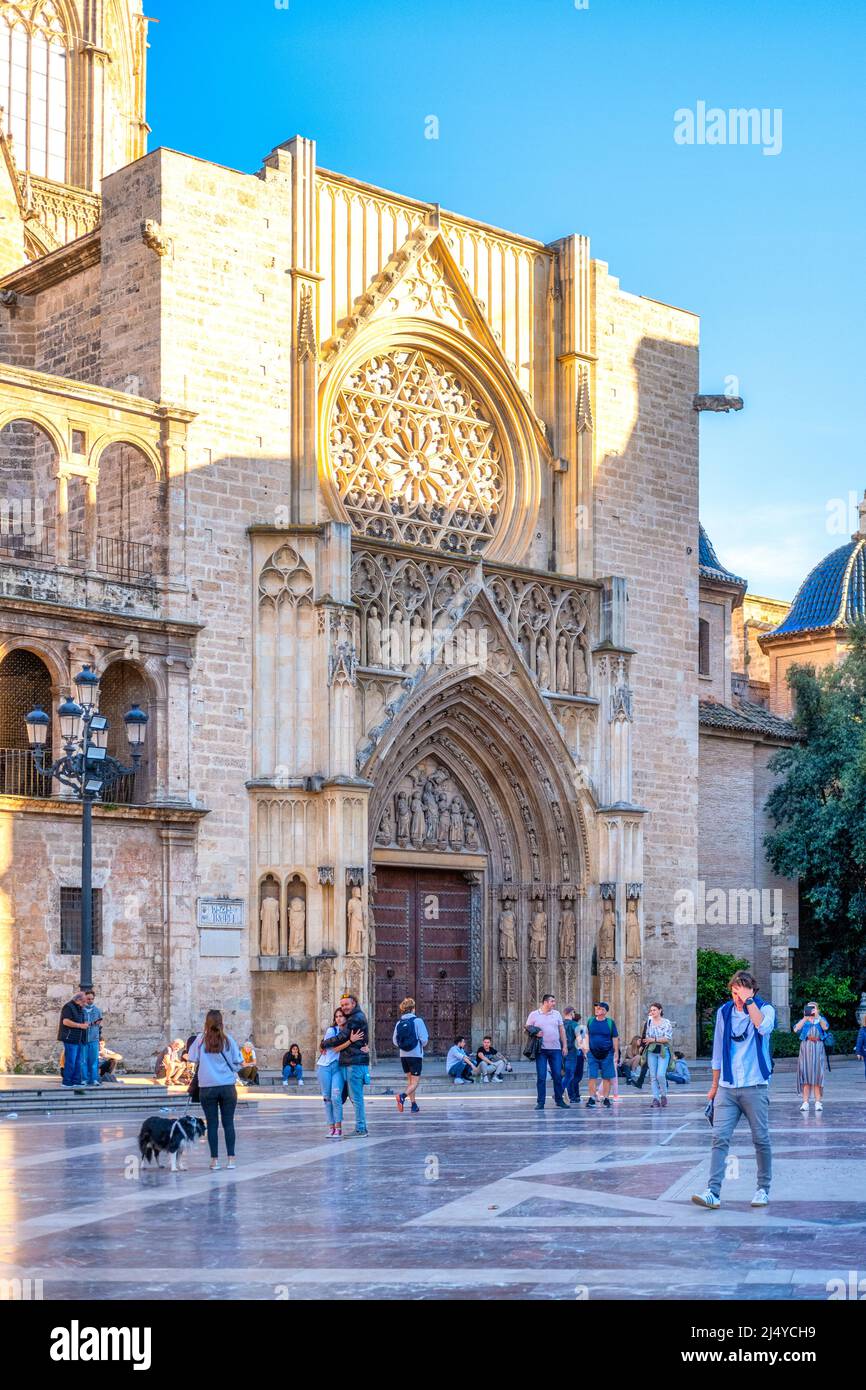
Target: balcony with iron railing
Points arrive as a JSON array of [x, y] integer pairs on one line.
[[20, 777]]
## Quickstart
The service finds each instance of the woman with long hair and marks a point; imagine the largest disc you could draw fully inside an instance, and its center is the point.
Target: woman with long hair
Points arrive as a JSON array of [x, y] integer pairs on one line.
[[812, 1061], [659, 1036], [330, 1076], [219, 1060]]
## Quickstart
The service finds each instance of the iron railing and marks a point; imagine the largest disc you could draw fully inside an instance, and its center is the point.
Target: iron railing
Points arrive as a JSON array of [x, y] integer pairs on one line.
[[19, 775]]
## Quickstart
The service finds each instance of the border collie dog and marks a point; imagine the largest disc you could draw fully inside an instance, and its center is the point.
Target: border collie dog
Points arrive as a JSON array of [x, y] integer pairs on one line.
[[159, 1134]]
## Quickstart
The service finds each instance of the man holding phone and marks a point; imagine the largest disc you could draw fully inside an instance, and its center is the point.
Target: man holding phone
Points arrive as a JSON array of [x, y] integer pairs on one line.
[[741, 1085]]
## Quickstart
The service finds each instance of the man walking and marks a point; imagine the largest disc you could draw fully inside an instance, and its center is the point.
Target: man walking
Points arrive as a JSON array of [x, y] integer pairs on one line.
[[411, 1037], [741, 1085], [573, 1069], [90, 1047], [355, 1057], [602, 1053], [554, 1046], [72, 1032]]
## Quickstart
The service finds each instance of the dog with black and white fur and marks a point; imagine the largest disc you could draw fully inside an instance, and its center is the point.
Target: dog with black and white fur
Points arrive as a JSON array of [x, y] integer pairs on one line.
[[160, 1134]]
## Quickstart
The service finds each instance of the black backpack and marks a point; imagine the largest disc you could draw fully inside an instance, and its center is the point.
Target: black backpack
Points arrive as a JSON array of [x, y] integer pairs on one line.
[[407, 1034]]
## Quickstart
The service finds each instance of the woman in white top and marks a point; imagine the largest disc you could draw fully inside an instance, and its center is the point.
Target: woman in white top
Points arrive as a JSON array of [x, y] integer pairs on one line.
[[219, 1060], [659, 1035], [330, 1076]]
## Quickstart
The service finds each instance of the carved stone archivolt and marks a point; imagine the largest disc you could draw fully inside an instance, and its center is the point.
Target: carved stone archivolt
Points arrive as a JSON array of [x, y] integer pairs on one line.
[[415, 455]]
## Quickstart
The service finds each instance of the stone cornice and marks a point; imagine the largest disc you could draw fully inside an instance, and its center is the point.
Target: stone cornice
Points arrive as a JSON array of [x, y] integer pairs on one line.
[[57, 806], [83, 393], [91, 616], [56, 266]]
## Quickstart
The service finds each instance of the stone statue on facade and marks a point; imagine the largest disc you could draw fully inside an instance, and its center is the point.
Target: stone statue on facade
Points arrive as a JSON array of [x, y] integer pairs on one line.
[[355, 924], [563, 674], [269, 916], [444, 820], [403, 819], [581, 669], [567, 932], [470, 827], [297, 927], [385, 833], [632, 931], [538, 934], [455, 833], [543, 664], [374, 637], [607, 931], [418, 828], [507, 934]]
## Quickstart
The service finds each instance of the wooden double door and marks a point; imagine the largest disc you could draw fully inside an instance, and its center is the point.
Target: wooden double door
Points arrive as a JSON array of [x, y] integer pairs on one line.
[[423, 949]]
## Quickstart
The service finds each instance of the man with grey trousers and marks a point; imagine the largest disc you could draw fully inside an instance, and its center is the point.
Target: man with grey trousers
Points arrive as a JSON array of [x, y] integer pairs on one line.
[[742, 1067]]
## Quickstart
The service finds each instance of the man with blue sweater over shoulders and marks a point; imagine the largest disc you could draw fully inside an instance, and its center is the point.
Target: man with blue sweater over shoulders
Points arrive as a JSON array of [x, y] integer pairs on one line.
[[741, 1085]]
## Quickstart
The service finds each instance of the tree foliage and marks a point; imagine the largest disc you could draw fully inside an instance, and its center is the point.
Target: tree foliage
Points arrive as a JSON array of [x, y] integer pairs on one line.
[[715, 969], [818, 807]]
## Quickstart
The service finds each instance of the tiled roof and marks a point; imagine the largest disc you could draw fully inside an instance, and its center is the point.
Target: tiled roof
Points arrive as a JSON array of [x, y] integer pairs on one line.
[[744, 717], [711, 566], [832, 595]]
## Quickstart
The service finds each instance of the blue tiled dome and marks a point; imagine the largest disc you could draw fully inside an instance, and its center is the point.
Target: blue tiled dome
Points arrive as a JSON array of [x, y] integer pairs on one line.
[[833, 595], [711, 566]]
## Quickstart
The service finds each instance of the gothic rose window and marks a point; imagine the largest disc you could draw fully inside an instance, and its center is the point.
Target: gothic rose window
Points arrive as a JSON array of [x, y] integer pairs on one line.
[[415, 456], [33, 47]]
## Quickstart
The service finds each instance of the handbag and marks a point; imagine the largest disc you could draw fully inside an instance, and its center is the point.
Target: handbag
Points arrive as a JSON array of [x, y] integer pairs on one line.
[[192, 1089]]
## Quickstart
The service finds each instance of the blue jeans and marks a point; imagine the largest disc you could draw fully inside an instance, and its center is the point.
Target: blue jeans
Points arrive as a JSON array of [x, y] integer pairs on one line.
[[293, 1070], [331, 1086], [354, 1077], [72, 1063], [552, 1057], [658, 1070], [90, 1062], [573, 1074]]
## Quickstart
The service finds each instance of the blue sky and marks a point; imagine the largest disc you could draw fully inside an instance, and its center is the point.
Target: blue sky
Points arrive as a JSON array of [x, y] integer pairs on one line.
[[554, 119]]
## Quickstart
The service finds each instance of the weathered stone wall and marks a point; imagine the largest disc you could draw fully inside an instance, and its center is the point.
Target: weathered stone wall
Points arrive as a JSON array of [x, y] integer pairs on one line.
[[735, 783], [130, 974], [646, 528]]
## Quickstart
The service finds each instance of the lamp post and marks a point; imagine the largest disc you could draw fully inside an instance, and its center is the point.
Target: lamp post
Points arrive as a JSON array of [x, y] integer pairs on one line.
[[89, 770]]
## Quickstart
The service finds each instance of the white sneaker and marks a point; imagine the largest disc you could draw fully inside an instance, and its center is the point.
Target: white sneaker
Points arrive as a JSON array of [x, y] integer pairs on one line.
[[460, 1081], [804, 1108], [707, 1199], [498, 1079], [285, 1083], [761, 1198], [300, 1083], [819, 1106], [485, 1080]]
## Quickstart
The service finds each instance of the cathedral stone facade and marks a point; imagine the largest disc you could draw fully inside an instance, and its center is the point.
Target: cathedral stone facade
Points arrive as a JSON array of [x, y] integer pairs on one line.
[[389, 519]]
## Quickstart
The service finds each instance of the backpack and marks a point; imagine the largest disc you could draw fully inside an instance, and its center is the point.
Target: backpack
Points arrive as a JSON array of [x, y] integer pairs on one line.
[[829, 1042], [597, 1053], [407, 1034]]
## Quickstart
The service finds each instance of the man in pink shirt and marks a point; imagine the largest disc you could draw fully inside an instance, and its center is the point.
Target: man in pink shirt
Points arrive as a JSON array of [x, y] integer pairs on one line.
[[554, 1046]]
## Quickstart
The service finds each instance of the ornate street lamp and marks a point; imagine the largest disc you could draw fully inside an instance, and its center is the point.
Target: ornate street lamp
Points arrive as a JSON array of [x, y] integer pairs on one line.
[[89, 770]]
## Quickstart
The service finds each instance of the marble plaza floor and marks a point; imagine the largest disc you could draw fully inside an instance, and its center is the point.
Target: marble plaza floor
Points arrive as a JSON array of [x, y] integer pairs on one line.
[[476, 1197]]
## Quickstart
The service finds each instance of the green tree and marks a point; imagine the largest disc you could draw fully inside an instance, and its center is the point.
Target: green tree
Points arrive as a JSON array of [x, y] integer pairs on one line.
[[715, 969], [818, 807], [834, 993]]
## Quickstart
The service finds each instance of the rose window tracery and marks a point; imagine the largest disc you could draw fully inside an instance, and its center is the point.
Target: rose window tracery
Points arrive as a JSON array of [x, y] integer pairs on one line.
[[415, 456]]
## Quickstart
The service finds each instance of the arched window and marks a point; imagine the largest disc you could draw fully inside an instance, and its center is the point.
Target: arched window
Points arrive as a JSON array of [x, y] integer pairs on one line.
[[121, 686], [25, 683], [703, 647], [34, 86]]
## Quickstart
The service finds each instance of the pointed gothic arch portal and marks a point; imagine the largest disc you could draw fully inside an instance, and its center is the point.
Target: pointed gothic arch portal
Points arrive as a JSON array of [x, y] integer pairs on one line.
[[472, 787]]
